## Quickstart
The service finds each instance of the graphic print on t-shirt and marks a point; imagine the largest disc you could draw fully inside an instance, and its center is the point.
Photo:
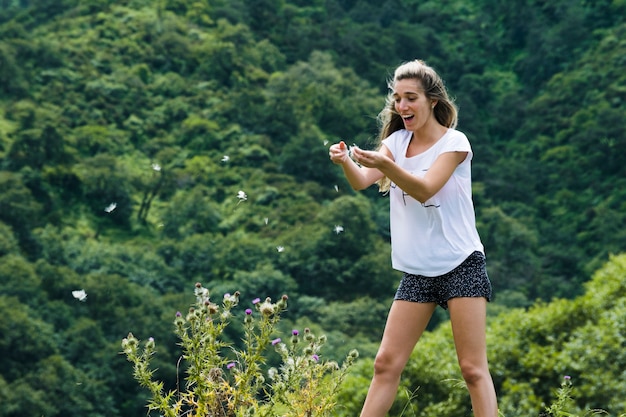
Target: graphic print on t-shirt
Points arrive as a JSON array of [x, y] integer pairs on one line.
[[430, 203]]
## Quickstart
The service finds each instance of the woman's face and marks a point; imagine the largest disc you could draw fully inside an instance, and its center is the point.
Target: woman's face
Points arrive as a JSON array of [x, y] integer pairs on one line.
[[412, 104]]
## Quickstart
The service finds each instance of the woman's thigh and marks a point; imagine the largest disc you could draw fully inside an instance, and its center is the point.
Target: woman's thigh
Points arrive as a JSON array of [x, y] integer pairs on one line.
[[405, 324], [468, 319]]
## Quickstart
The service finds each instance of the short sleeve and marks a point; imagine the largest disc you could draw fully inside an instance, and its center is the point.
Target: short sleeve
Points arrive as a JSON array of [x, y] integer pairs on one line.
[[456, 142]]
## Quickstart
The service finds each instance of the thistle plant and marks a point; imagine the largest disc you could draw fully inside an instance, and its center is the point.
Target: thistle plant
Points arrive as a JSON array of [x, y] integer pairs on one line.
[[224, 381], [304, 385], [564, 402], [563, 399]]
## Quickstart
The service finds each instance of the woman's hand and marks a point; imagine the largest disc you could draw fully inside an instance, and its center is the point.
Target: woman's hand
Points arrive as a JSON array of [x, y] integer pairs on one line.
[[361, 172], [338, 153], [369, 159]]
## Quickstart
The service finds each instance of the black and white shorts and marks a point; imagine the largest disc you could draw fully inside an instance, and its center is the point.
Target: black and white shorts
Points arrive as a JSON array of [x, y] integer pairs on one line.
[[469, 279]]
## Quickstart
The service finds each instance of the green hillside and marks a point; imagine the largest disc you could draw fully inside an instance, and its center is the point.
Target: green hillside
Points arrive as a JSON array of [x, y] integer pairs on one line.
[[148, 145]]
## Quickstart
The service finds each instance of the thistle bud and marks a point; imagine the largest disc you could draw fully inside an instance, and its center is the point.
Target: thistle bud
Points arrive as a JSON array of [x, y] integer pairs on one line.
[[282, 303], [129, 344], [131, 340], [212, 308], [267, 308], [332, 365], [201, 293], [248, 318], [150, 344]]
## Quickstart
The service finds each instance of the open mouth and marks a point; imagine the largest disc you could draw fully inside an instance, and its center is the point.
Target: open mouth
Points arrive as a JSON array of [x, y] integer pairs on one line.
[[408, 118]]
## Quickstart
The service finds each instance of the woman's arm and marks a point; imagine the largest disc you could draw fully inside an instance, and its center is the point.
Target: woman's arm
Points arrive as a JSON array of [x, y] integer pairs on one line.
[[420, 188], [359, 177]]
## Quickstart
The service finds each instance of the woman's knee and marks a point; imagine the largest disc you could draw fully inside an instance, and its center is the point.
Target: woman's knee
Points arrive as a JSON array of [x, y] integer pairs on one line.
[[472, 372], [387, 363]]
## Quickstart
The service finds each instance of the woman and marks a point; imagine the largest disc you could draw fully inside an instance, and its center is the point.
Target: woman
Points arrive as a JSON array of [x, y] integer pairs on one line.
[[425, 164]]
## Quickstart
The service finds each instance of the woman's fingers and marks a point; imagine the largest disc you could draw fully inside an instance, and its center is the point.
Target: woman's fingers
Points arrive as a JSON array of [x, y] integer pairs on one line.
[[338, 152], [366, 158]]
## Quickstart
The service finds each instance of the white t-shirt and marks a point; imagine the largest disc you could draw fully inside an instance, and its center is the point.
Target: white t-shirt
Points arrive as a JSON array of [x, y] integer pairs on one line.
[[433, 238]]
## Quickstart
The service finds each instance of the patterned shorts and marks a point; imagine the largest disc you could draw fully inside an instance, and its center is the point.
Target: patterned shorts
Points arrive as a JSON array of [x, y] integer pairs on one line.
[[469, 279]]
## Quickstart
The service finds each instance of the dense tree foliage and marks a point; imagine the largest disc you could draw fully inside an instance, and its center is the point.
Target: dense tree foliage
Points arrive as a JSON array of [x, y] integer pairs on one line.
[[147, 145]]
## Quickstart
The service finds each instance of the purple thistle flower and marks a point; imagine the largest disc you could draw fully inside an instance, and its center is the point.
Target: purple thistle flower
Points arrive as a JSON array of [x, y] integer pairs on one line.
[[276, 341], [315, 358], [230, 365], [295, 332], [256, 301], [248, 311], [179, 314]]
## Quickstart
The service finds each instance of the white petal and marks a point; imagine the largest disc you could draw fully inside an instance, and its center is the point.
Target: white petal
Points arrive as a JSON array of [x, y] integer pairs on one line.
[[110, 207], [80, 295]]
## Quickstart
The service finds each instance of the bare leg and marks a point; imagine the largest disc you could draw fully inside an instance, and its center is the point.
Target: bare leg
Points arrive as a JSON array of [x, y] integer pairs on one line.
[[405, 324], [468, 317]]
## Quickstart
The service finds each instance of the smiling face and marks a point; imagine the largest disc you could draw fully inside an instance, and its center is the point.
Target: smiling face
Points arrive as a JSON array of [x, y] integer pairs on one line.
[[412, 104]]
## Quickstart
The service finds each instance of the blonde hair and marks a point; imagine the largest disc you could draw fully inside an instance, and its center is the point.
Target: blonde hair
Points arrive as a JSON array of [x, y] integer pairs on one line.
[[445, 111]]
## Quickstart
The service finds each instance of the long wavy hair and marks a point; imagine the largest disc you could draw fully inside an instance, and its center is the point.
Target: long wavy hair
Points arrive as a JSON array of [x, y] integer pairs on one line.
[[445, 110]]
